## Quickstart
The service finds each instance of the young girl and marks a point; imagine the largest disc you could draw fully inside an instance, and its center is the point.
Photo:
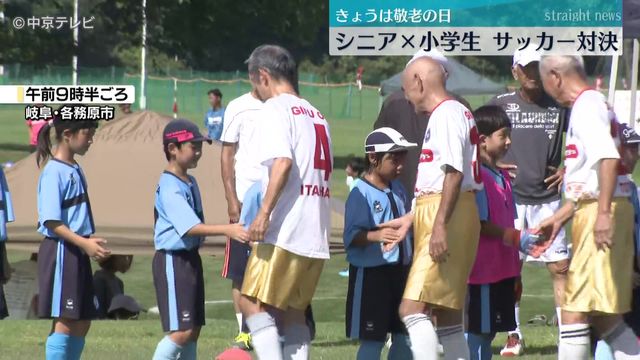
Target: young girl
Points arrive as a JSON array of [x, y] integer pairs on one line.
[[65, 219], [379, 258], [354, 170], [497, 264]]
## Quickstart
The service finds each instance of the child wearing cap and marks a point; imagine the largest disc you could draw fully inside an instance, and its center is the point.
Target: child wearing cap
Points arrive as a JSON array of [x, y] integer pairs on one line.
[[179, 230], [497, 265], [379, 258]]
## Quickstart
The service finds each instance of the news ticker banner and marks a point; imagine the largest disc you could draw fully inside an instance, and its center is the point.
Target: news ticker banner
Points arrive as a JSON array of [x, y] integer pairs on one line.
[[481, 27], [84, 102]]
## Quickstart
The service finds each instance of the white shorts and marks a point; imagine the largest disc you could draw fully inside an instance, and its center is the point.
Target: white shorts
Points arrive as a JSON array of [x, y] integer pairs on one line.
[[529, 216]]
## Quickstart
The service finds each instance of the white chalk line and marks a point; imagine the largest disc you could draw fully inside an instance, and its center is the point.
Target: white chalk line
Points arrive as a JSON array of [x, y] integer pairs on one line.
[[154, 310]]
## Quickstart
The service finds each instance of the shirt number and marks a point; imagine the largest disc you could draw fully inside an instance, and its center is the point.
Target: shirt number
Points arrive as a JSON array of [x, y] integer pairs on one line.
[[322, 148]]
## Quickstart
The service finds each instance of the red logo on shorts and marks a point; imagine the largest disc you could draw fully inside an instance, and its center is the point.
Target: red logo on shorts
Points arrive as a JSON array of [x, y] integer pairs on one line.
[[571, 152], [426, 155]]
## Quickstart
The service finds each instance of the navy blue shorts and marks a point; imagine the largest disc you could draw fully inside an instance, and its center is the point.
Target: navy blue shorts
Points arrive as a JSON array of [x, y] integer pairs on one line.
[[236, 255], [179, 283], [490, 307], [65, 282], [4, 310], [373, 299]]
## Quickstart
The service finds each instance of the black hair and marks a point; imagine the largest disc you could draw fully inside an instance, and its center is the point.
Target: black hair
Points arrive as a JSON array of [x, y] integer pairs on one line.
[[357, 164], [215, 92], [277, 61], [166, 149], [43, 149], [369, 165], [491, 118]]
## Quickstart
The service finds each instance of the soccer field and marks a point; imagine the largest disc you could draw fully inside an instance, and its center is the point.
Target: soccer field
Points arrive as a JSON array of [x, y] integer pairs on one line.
[[137, 339], [24, 339]]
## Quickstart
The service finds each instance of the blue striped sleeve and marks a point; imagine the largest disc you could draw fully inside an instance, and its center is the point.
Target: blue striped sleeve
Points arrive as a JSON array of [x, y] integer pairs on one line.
[[483, 205], [177, 209], [50, 196], [357, 217]]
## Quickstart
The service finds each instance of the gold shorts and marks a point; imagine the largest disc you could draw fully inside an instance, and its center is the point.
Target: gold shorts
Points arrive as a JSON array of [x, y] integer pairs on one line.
[[443, 284], [600, 280], [281, 278]]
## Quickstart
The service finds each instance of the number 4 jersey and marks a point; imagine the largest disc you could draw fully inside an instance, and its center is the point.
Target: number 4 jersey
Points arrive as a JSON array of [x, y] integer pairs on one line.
[[451, 139], [290, 127]]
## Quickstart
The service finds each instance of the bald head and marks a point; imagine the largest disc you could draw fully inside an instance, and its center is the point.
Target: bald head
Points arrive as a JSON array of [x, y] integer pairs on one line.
[[567, 65], [563, 76], [423, 82]]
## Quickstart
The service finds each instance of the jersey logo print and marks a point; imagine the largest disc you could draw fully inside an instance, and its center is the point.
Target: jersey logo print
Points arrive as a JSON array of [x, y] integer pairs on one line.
[[377, 207], [512, 107], [426, 155], [571, 152]]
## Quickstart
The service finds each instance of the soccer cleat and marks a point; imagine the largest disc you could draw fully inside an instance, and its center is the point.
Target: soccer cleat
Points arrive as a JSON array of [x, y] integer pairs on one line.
[[243, 341], [514, 346], [344, 273]]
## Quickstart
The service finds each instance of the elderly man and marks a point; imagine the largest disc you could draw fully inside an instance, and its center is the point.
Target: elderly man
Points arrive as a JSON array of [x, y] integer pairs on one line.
[[598, 287]]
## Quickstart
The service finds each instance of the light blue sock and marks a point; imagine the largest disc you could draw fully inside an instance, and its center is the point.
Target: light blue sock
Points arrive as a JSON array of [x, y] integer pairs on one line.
[[76, 345], [479, 346], [400, 347], [167, 350], [189, 351], [370, 350], [57, 347], [603, 351]]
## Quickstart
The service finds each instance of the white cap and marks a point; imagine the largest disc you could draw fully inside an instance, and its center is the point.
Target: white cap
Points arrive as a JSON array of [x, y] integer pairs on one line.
[[434, 54], [527, 55], [386, 139]]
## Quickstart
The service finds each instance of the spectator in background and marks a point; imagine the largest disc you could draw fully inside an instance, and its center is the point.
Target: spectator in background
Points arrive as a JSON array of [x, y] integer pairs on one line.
[[354, 170], [107, 285], [213, 120]]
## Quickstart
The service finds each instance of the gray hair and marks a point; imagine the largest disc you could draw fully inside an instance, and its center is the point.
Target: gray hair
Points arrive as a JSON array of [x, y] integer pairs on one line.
[[563, 64], [277, 61]]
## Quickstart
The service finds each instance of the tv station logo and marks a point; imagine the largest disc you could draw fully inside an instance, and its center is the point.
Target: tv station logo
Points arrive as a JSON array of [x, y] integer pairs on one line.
[[84, 102]]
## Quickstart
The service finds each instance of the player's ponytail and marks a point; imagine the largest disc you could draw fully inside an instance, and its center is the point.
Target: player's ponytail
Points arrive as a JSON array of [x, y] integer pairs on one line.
[[59, 124], [43, 149]]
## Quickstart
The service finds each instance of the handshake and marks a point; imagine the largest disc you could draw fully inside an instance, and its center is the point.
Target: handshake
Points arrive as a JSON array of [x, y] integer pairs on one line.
[[529, 241]]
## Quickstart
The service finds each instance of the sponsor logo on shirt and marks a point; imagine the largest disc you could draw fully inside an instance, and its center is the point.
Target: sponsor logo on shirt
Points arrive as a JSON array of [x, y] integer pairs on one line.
[[571, 152], [468, 115], [377, 207], [426, 155], [512, 107]]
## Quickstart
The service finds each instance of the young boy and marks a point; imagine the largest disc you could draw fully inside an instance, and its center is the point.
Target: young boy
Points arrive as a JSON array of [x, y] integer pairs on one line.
[[493, 277], [6, 216], [179, 232], [379, 258]]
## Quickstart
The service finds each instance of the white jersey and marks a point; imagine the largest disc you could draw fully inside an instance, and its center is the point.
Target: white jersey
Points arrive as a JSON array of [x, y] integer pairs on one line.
[[301, 220], [591, 137], [240, 119], [451, 139]]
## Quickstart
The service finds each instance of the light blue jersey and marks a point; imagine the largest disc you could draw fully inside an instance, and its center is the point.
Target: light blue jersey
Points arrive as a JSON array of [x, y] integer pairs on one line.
[[6, 206], [214, 122], [63, 196], [366, 208], [178, 208]]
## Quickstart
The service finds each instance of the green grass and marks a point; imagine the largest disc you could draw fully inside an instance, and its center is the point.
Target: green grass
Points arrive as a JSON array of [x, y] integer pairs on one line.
[[24, 339]]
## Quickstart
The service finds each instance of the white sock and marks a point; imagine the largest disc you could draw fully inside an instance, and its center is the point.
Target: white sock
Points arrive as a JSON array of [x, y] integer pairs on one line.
[[424, 340], [264, 336], [623, 342], [574, 343], [239, 319], [516, 311], [559, 315], [454, 343], [297, 339]]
